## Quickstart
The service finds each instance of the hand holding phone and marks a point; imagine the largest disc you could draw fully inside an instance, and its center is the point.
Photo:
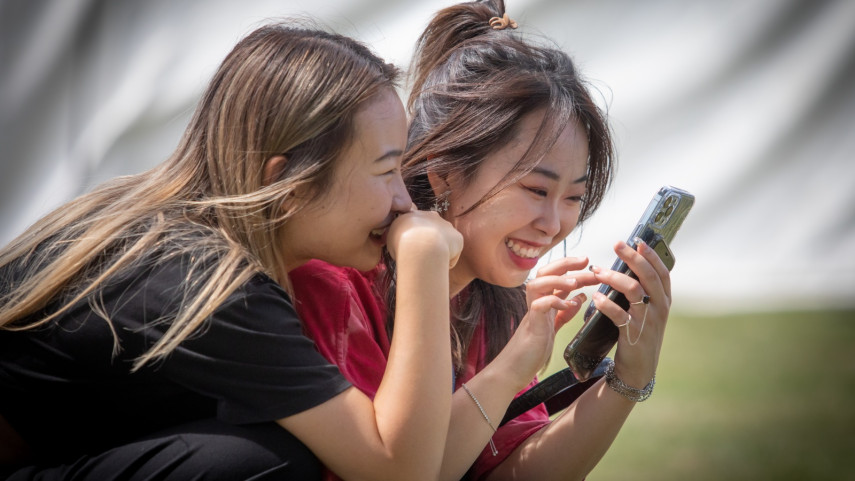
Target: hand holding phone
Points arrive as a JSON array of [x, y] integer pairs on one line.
[[657, 227]]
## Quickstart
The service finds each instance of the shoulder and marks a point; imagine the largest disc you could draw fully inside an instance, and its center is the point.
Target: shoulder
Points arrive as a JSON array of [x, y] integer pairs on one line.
[[332, 299], [319, 281]]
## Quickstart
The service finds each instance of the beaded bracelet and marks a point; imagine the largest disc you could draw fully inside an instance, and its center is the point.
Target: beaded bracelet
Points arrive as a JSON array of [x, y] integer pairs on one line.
[[629, 392], [486, 418]]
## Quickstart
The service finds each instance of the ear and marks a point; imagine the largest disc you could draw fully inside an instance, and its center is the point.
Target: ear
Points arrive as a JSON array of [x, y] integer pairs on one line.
[[437, 183], [273, 168]]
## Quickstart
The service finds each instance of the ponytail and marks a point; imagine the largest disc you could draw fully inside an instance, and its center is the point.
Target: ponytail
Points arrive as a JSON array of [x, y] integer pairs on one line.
[[449, 28]]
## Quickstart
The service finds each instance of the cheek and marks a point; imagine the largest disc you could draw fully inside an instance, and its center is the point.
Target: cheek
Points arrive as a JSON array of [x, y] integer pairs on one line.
[[569, 221]]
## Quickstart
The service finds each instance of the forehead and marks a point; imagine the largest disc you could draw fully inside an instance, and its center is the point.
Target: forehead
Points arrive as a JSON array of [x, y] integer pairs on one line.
[[379, 133], [567, 158]]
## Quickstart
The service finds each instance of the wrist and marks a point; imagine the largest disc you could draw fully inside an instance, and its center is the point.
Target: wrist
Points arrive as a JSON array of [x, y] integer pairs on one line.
[[503, 379], [632, 393]]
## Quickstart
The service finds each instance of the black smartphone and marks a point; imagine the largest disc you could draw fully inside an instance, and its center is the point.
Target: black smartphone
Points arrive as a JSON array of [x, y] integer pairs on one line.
[[657, 227]]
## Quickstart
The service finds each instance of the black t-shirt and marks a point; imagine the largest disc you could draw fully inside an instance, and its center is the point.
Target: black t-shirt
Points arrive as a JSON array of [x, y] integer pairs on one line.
[[66, 391]]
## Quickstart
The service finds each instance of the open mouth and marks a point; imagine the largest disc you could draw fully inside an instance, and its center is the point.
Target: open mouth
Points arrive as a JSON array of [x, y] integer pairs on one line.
[[526, 252], [378, 234]]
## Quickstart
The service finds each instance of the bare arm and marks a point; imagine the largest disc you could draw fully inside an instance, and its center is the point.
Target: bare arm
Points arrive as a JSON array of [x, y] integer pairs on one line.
[[402, 433], [514, 368], [571, 446]]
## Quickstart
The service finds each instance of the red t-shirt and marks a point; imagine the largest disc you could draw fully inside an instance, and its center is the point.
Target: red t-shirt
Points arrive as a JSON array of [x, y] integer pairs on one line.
[[345, 315]]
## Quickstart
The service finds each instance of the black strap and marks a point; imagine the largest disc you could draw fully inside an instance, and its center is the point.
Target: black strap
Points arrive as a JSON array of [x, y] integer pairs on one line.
[[561, 385]]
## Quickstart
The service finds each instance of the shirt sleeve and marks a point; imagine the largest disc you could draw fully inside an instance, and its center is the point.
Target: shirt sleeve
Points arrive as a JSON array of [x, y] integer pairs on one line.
[[251, 355], [343, 314]]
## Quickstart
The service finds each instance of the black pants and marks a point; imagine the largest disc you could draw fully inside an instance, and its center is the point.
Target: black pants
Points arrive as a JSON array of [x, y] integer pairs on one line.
[[203, 450]]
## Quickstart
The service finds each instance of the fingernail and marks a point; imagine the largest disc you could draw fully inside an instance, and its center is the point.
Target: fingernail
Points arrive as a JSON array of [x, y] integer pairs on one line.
[[639, 244], [594, 269]]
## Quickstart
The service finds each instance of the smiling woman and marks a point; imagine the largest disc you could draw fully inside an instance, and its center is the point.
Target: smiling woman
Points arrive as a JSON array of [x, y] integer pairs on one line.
[[507, 144], [146, 328], [348, 225], [507, 231]]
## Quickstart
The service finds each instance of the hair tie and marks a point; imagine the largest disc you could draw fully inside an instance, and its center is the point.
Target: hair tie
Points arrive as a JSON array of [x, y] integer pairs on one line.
[[503, 22]]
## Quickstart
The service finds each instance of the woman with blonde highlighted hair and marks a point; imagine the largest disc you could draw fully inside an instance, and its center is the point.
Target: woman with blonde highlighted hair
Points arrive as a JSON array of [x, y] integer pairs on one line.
[[147, 329]]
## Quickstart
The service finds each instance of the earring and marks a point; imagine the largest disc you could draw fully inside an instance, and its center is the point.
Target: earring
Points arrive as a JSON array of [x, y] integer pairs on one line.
[[440, 204]]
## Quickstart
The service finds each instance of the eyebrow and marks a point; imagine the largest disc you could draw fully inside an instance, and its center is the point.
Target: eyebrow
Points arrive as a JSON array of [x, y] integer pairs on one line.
[[554, 176], [391, 153]]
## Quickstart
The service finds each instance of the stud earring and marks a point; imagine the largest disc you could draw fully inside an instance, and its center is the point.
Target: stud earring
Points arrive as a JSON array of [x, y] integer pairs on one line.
[[440, 204]]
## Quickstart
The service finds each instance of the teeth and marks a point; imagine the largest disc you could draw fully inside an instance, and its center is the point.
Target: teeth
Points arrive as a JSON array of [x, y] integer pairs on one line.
[[522, 251], [378, 232]]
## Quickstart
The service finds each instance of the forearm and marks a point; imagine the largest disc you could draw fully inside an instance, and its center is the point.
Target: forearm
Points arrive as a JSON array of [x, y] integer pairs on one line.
[[468, 431], [413, 401], [572, 445]]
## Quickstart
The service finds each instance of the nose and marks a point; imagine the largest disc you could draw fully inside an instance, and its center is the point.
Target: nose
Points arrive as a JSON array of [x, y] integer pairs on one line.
[[401, 201], [549, 219]]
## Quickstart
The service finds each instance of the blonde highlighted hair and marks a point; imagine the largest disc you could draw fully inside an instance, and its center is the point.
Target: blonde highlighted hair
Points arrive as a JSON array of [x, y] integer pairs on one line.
[[285, 89]]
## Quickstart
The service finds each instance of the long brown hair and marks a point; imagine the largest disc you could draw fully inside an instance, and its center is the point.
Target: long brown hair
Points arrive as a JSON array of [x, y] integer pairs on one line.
[[471, 86], [285, 89]]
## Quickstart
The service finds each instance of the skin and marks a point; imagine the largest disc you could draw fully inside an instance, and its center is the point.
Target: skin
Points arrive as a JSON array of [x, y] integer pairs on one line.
[[535, 213], [401, 433], [348, 225], [503, 238]]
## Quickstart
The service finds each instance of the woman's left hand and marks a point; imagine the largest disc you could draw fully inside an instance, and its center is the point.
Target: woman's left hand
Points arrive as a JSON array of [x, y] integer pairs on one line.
[[642, 328]]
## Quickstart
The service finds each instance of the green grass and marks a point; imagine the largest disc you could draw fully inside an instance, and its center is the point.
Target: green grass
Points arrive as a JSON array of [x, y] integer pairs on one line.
[[744, 397]]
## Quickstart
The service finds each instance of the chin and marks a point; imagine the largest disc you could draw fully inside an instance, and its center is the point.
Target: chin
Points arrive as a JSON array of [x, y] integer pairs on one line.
[[367, 262]]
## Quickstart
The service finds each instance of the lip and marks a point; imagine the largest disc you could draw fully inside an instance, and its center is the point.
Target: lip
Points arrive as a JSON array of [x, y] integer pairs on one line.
[[527, 263], [380, 236]]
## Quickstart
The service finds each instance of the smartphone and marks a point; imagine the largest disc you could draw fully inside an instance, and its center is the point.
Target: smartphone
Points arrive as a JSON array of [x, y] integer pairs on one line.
[[657, 227]]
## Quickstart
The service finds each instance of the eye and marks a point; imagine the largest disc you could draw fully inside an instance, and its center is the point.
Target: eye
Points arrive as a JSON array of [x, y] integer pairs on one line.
[[391, 169], [536, 191]]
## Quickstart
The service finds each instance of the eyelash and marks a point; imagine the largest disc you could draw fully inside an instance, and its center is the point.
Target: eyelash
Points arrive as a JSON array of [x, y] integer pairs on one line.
[[542, 193]]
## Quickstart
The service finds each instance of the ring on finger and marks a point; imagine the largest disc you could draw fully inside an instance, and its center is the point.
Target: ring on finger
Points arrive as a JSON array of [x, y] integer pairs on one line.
[[644, 300]]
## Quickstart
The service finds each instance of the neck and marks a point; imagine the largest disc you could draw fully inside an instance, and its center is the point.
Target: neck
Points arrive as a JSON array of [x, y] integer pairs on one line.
[[458, 280]]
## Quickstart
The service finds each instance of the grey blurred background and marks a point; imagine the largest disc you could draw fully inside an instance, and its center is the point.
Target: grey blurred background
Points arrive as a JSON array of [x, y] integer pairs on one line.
[[750, 105]]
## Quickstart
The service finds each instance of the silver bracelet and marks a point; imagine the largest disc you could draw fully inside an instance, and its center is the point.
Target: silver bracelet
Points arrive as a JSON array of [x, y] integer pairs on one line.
[[629, 392], [486, 418]]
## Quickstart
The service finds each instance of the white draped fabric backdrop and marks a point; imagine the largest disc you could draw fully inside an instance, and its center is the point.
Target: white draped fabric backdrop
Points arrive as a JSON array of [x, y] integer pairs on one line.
[[750, 105]]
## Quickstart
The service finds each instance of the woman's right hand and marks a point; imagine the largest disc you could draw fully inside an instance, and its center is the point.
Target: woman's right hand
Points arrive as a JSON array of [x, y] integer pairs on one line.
[[551, 304], [421, 232]]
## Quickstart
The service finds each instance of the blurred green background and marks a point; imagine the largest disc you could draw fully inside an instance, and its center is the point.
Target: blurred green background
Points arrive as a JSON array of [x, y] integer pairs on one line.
[[743, 397]]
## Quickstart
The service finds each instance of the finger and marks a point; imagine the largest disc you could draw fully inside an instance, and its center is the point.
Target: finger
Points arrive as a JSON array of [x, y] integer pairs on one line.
[[640, 266], [611, 310], [544, 304], [562, 317], [653, 258], [629, 287], [542, 286], [643, 269], [562, 266]]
